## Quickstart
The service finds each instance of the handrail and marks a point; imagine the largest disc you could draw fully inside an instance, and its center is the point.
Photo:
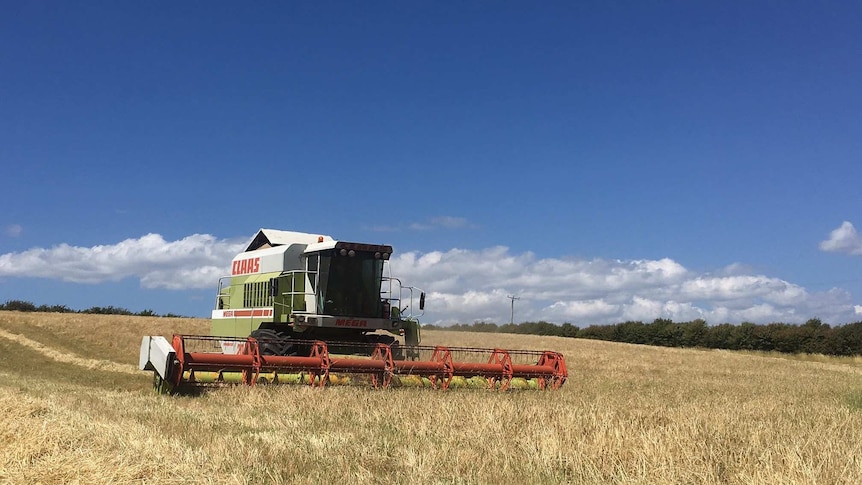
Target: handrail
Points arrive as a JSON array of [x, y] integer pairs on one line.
[[293, 293]]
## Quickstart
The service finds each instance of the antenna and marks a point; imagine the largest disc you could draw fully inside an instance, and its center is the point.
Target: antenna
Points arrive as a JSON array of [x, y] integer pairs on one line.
[[513, 298]]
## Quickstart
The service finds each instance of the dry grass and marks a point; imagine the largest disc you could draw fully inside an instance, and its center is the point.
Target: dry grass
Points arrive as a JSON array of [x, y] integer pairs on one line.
[[75, 411]]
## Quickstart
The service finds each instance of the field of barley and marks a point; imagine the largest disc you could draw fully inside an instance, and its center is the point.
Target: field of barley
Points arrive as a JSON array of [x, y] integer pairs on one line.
[[75, 409]]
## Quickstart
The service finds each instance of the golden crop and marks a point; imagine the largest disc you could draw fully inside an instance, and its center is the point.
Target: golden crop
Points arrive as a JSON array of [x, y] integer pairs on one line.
[[75, 408]]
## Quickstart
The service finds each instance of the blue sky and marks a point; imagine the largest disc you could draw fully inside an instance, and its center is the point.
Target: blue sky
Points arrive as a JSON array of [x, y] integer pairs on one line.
[[604, 161]]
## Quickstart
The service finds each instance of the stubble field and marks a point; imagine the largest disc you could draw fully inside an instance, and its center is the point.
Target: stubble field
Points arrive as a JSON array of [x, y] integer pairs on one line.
[[75, 409]]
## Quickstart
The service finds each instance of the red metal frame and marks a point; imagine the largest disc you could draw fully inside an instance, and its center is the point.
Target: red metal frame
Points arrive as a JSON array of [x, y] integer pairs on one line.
[[443, 356], [499, 370], [250, 374], [384, 377], [502, 358]]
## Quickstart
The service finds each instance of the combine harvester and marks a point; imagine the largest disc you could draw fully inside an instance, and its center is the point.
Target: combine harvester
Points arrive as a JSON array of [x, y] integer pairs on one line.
[[305, 308]]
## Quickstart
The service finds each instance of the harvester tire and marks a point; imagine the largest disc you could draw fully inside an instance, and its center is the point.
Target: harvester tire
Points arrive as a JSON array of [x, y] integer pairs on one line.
[[397, 351], [271, 342], [160, 385]]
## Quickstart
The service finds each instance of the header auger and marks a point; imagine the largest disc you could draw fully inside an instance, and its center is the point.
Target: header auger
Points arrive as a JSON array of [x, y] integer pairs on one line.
[[304, 307]]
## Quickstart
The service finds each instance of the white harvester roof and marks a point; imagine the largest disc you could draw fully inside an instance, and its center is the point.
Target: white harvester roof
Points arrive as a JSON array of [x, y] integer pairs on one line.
[[266, 238]]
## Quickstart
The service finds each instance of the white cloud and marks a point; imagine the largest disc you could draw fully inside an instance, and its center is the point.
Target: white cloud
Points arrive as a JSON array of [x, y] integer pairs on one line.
[[192, 262], [642, 308], [582, 309], [13, 230], [440, 222], [740, 288], [845, 239], [469, 285], [450, 222]]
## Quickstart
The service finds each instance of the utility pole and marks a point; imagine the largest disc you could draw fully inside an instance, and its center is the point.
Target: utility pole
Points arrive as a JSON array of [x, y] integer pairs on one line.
[[513, 298]]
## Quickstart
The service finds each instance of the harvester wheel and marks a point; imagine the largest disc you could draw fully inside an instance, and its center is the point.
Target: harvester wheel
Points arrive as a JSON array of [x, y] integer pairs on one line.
[[271, 342], [160, 385], [397, 351]]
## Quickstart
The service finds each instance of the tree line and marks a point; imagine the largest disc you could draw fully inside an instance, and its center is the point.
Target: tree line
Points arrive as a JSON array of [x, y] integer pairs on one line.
[[812, 337], [26, 306]]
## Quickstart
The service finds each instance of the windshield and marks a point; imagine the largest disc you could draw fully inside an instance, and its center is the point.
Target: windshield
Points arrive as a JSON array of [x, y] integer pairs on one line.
[[352, 284]]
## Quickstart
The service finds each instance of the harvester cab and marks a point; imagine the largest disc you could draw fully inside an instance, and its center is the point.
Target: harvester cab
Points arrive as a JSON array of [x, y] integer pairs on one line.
[[289, 286]]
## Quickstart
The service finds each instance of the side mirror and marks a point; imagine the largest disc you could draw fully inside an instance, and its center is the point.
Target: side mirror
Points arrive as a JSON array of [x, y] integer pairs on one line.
[[422, 301], [273, 287]]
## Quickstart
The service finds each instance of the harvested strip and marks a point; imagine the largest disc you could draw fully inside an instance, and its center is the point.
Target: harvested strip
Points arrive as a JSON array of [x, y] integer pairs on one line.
[[94, 364]]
